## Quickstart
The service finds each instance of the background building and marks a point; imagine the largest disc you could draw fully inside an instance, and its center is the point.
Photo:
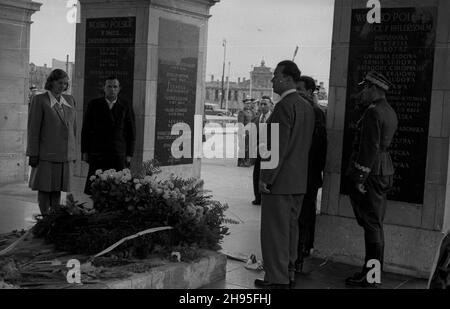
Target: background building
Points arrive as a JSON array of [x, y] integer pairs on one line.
[[38, 74], [322, 94], [238, 91], [261, 85]]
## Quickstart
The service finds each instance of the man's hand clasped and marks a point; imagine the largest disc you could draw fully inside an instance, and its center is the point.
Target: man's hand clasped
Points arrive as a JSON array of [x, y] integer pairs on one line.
[[263, 187], [33, 161], [361, 188]]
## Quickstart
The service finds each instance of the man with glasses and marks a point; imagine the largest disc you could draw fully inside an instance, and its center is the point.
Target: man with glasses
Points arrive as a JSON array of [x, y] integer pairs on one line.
[[371, 170], [108, 134]]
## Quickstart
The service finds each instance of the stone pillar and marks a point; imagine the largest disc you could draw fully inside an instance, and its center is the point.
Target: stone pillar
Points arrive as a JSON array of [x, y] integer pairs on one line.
[[15, 22], [159, 53], [418, 209]]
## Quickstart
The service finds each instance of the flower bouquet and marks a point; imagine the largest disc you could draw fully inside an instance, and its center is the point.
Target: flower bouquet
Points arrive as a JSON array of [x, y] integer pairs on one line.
[[125, 204]]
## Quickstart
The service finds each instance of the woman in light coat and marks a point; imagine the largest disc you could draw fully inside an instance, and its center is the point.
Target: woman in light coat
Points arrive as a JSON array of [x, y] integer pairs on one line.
[[51, 141]]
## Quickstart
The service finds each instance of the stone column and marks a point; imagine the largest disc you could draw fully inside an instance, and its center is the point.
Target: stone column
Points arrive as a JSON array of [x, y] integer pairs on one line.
[[144, 18], [15, 22], [418, 210]]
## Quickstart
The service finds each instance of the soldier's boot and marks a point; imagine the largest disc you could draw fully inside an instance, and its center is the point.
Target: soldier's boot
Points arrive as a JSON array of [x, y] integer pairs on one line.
[[373, 251]]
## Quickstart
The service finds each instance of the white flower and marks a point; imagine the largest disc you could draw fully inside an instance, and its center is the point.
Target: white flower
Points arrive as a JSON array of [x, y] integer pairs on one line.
[[103, 177], [147, 179], [110, 172], [190, 209], [118, 175], [136, 181], [166, 195], [92, 178], [98, 172], [137, 186]]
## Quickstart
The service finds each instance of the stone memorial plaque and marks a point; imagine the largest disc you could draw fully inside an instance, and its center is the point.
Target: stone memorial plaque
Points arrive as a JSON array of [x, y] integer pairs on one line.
[[402, 48], [110, 45], [177, 85]]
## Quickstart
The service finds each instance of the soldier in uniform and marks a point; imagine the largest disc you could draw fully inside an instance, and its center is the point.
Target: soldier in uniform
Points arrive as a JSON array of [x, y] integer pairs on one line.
[[371, 170]]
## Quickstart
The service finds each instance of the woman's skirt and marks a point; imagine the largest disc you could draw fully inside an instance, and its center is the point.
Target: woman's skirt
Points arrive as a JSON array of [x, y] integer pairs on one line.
[[51, 176]]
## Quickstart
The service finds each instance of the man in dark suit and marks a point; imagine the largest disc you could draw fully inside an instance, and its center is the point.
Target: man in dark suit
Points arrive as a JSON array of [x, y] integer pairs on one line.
[[370, 174], [317, 158], [108, 134], [283, 186], [265, 106], [245, 116]]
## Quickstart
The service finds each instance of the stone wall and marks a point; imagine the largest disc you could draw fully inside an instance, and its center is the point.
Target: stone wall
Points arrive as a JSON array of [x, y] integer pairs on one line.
[[15, 22], [412, 231], [148, 15]]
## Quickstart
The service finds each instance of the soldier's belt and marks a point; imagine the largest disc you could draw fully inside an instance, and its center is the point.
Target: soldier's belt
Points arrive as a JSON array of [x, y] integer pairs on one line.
[[362, 168]]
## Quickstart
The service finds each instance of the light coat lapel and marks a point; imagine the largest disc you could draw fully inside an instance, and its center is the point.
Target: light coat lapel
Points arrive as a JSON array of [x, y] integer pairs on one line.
[[58, 112]]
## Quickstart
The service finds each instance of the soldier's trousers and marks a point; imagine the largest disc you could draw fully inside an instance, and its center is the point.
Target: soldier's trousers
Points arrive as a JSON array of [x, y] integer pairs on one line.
[[370, 209]]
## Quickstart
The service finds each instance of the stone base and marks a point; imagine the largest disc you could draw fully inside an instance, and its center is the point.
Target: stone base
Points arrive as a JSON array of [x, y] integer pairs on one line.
[[408, 251], [151, 273], [208, 270]]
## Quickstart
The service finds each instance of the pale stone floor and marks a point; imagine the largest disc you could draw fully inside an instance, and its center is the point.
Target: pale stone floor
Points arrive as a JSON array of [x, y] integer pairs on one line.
[[232, 185]]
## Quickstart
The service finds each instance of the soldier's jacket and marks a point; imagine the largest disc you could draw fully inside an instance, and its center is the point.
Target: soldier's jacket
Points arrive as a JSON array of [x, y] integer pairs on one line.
[[376, 128], [245, 116]]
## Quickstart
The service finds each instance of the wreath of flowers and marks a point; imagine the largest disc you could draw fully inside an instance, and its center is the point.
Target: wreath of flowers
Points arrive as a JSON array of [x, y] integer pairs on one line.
[[124, 204]]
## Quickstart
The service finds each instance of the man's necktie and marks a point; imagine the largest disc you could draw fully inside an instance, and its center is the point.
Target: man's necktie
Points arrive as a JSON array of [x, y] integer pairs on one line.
[[263, 119]]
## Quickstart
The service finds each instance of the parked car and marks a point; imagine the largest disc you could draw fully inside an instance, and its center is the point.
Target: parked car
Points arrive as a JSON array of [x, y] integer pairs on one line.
[[214, 110]]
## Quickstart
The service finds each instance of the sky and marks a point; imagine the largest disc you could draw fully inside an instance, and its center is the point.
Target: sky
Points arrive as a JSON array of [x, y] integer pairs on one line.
[[270, 30], [254, 30]]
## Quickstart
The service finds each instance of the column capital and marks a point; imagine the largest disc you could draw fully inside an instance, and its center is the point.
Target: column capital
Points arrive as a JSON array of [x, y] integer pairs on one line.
[[197, 8], [21, 4], [18, 10]]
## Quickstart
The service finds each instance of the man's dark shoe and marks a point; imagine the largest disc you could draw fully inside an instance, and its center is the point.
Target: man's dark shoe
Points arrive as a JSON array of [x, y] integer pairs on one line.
[[292, 280], [267, 285], [302, 256], [360, 280], [299, 266], [292, 284], [255, 202]]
